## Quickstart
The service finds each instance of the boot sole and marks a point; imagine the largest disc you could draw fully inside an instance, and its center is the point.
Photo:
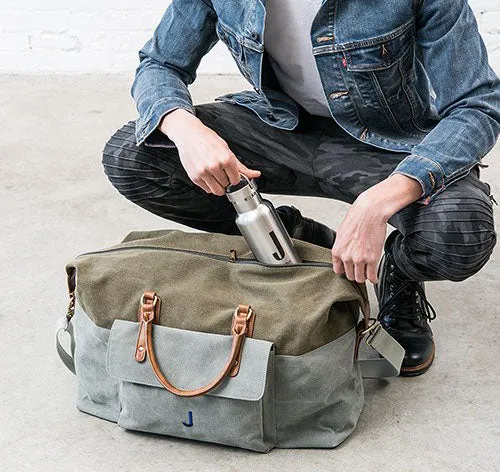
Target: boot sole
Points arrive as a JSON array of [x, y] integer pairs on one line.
[[418, 369]]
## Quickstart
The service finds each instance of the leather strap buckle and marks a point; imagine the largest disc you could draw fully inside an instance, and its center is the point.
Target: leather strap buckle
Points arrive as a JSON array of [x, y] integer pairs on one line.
[[146, 295], [372, 330], [238, 310], [371, 327]]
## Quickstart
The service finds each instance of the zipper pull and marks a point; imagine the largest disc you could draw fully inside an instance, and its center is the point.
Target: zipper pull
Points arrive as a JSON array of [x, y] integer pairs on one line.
[[232, 255]]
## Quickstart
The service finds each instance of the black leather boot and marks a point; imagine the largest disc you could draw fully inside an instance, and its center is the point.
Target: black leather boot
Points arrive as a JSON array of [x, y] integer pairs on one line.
[[305, 229], [404, 312]]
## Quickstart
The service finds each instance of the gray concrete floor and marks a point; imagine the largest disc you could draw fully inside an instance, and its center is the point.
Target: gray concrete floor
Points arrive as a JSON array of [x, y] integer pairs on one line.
[[55, 203]]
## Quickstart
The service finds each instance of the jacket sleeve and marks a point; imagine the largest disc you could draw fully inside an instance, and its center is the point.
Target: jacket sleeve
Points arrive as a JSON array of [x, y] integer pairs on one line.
[[467, 97], [168, 64]]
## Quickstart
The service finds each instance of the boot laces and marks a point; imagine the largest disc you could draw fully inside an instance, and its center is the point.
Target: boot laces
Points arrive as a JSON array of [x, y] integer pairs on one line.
[[409, 299]]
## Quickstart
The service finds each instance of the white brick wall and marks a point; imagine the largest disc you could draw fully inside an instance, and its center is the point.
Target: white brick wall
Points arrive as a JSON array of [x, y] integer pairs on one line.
[[61, 36]]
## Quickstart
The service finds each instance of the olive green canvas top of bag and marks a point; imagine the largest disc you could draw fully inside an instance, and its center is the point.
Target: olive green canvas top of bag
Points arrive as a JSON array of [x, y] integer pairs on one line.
[[203, 277]]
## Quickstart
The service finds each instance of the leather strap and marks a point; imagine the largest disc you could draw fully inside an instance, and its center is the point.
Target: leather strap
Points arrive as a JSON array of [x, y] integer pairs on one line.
[[251, 322], [149, 312], [148, 315]]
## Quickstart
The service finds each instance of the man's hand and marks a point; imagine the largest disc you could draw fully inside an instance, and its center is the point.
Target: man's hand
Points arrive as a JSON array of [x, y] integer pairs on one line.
[[360, 238], [205, 156]]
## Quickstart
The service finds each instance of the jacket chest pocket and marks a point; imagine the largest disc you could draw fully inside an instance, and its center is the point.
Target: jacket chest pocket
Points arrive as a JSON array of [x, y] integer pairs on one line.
[[381, 68]]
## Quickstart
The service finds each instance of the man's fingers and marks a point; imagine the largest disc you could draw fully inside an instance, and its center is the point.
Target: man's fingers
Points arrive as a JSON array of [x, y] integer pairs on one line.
[[360, 272], [371, 273], [349, 270], [338, 267], [202, 184], [221, 177], [232, 174], [214, 185], [251, 174]]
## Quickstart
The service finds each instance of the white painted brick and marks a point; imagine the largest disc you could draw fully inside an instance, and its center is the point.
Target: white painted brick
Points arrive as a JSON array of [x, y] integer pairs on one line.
[[105, 35], [10, 42], [483, 5], [54, 41], [490, 23]]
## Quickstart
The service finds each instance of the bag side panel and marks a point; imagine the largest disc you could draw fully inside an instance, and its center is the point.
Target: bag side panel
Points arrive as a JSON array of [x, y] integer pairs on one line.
[[97, 392], [319, 395]]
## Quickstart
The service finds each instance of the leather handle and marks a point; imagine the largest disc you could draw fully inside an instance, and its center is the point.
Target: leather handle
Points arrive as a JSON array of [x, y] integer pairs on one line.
[[149, 313]]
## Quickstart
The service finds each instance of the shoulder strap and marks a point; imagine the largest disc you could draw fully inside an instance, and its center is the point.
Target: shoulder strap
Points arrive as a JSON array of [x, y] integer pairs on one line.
[[64, 324]]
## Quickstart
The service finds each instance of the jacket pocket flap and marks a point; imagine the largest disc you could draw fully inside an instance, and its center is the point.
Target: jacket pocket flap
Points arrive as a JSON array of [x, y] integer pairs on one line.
[[380, 52], [189, 360]]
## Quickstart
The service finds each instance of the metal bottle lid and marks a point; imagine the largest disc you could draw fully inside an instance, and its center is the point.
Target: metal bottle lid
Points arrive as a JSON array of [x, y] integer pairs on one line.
[[244, 195]]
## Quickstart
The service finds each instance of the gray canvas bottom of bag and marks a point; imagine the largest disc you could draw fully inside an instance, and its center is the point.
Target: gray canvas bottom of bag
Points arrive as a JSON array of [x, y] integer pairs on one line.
[[310, 400]]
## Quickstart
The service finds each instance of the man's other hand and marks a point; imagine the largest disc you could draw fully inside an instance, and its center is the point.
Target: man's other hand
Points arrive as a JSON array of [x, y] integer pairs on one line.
[[360, 238], [205, 156]]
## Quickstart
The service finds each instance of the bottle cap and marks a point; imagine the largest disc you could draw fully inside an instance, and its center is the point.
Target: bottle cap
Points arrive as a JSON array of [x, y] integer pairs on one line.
[[243, 195]]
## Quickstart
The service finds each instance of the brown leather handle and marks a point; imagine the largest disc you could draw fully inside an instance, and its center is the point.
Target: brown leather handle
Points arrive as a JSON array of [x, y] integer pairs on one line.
[[149, 313]]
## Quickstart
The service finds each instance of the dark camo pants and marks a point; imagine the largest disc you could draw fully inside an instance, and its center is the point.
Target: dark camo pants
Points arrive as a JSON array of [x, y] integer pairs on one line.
[[449, 239]]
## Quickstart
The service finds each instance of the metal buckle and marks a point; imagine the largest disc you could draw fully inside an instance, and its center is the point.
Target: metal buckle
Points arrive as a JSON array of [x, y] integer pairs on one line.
[[155, 300], [372, 329], [249, 314]]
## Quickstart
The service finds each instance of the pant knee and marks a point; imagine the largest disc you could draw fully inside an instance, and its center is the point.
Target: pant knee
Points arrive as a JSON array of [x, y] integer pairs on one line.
[[120, 148], [135, 171], [451, 255]]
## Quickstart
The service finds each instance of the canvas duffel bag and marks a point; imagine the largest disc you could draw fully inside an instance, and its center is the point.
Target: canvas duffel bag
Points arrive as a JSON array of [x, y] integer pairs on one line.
[[186, 334]]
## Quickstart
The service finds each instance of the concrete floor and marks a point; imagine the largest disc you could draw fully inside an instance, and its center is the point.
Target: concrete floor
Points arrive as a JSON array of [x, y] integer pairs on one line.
[[55, 203]]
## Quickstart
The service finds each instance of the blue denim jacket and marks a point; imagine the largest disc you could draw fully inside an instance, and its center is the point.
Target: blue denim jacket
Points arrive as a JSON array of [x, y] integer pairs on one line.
[[407, 76]]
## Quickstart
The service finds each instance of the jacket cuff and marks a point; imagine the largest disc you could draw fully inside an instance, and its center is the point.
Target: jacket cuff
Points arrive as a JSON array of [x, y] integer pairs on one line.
[[429, 174], [146, 127]]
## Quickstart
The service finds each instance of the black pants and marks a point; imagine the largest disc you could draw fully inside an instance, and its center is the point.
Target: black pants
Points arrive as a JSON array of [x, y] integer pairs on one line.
[[449, 239]]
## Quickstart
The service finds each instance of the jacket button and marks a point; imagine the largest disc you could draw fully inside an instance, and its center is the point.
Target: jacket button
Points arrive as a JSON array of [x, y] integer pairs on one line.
[[272, 117], [254, 35], [322, 39], [335, 95]]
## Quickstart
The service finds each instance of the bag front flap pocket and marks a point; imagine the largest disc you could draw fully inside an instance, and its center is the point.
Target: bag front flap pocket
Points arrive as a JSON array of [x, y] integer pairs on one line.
[[189, 359]]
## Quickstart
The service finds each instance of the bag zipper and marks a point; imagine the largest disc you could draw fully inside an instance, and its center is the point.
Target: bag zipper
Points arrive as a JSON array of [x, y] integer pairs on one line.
[[218, 257], [232, 260]]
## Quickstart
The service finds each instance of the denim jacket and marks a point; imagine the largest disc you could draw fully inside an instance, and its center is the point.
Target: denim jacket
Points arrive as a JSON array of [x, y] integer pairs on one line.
[[407, 76]]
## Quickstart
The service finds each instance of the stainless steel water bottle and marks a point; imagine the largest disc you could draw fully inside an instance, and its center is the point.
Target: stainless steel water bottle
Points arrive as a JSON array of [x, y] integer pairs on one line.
[[261, 225]]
